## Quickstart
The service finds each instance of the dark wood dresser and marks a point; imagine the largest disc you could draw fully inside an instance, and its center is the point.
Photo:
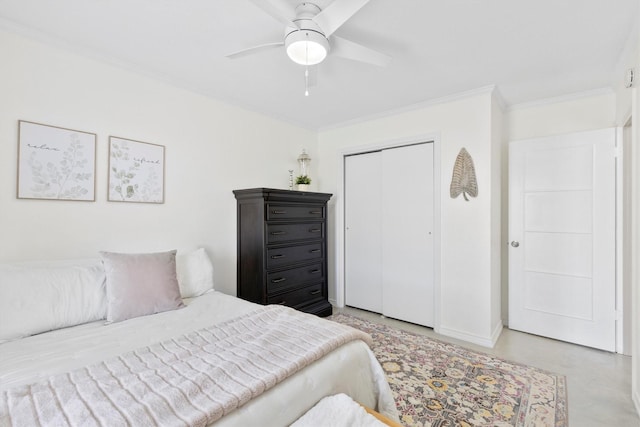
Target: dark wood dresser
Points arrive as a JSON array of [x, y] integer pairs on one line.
[[282, 248]]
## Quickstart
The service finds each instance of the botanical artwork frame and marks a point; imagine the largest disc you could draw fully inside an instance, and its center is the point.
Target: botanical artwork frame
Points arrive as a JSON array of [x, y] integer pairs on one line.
[[55, 163], [136, 171]]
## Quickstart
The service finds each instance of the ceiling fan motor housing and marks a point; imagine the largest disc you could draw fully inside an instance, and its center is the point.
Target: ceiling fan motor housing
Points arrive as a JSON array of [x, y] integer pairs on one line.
[[307, 44]]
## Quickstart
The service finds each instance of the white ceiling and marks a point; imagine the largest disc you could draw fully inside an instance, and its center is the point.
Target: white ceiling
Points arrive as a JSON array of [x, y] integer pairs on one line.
[[529, 49]]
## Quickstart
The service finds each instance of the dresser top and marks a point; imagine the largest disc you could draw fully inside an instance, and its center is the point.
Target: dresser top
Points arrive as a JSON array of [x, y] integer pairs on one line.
[[273, 194]]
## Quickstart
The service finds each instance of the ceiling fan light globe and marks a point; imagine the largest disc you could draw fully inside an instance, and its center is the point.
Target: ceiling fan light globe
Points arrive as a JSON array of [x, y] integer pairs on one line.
[[307, 47], [306, 53]]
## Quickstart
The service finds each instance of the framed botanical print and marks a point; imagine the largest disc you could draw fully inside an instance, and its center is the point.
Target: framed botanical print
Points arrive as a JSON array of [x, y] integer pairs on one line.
[[55, 163], [136, 171]]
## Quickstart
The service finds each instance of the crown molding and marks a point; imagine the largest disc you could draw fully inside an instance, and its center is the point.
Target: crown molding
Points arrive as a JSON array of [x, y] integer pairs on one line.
[[563, 98], [490, 89]]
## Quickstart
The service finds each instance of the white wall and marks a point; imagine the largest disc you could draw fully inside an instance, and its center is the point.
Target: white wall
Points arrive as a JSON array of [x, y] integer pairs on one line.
[[628, 107], [467, 306], [628, 59], [211, 149], [635, 250], [635, 233], [579, 112]]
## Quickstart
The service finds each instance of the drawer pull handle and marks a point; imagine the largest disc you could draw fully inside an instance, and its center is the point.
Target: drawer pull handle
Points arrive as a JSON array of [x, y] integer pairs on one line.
[[282, 303], [278, 280], [276, 212], [277, 256], [314, 251], [278, 233], [316, 292], [315, 230], [314, 271], [315, 212]]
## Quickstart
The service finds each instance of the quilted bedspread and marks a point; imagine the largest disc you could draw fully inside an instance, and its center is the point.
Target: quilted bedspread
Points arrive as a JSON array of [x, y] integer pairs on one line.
[[192, 380]]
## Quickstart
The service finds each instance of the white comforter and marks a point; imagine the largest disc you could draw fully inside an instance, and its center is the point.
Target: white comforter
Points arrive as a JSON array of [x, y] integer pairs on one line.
[[352, 369], [338, 410]]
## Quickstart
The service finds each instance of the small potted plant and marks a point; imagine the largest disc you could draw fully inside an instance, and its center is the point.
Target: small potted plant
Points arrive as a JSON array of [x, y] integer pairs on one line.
[[303, 181]]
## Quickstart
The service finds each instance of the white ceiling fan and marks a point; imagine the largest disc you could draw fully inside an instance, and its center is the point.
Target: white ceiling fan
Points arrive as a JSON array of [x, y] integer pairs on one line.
[[308, 35]]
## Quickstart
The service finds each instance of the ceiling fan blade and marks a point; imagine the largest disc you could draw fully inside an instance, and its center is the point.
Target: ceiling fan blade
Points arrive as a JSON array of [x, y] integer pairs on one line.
[[336, 14], [280, 10], [351, 50], [254, 49]]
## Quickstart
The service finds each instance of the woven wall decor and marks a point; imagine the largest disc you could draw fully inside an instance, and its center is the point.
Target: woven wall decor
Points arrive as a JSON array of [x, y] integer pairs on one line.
[[464, 177]]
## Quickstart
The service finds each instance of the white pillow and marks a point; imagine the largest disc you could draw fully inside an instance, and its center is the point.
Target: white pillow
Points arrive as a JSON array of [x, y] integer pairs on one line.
[[195, 273], [37, 297], [140, 284]]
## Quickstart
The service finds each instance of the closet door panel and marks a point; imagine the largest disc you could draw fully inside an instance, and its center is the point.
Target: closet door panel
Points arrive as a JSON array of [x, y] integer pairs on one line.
[[363, 242], [407, 233]]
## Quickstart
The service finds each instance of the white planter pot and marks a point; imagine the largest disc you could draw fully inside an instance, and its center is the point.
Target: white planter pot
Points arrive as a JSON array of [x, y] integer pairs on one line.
[[303, 187]]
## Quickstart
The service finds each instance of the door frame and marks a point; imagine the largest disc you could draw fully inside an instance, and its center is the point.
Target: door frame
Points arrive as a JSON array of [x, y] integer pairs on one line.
[[433, 138], [624, 264]]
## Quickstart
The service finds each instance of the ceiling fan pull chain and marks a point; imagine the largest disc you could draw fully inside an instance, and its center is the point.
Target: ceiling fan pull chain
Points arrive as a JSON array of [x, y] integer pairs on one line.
[[306, 81], [306, 71]]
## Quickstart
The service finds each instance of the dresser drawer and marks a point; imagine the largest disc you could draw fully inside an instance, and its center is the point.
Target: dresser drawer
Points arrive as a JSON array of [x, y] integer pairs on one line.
[[277, 233], [279, 280], [280, 211], [298, 297], [277, 257]]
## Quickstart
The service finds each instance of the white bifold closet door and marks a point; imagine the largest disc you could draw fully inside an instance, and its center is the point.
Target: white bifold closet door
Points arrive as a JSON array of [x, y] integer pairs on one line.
[[389, 221], [363, 231]]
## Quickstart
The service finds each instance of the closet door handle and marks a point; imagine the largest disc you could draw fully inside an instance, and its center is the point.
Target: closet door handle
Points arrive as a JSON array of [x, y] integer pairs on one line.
[[278, 233], [278, 280], [278, 256]]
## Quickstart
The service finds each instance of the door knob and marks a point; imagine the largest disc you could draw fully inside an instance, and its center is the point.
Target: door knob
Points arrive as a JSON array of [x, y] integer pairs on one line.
[[515, 244]]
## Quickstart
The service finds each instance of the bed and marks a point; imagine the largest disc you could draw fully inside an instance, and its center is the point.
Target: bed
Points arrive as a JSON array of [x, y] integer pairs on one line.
[[31, 366]]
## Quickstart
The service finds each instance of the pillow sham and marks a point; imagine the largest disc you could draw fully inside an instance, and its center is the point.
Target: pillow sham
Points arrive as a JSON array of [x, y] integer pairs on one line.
[[38, 297], [195, 273], [140, 284]]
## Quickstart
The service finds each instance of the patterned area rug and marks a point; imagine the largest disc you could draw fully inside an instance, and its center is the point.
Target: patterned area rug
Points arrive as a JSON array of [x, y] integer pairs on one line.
[[444, 385]]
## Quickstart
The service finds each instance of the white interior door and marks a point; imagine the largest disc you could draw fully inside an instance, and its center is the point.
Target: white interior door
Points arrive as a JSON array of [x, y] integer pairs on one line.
[[363, 231], [407, 233], [562, 233]]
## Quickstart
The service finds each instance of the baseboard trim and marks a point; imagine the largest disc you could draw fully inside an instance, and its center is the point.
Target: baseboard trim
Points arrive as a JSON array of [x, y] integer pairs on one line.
[[636, 401], [485, 341], [497, 331]]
